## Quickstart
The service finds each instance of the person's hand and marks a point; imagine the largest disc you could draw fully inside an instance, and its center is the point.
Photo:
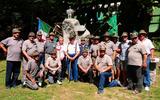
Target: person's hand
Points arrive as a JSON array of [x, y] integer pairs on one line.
[[144, 65]]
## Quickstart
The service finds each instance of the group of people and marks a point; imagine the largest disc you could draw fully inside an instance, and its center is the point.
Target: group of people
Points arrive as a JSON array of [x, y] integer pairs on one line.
[[114, 63]]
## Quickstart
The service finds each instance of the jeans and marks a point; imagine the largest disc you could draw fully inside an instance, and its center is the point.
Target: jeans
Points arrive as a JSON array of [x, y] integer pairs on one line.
[[135, 77], [147, 73], [103, 76], [72, 68], [12, 73], [64, 68], [42, 58]]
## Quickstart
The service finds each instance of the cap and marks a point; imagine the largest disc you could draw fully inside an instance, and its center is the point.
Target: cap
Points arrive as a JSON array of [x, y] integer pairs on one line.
[[96, 37], [39, 33], [54, 52], [15, 30], [106, 34], [31, 34], [85, 50], [35, 53], [142, 32], [102, 48], [82, 38], [52, 33], [124, 34], [115, 36], [133, 35]]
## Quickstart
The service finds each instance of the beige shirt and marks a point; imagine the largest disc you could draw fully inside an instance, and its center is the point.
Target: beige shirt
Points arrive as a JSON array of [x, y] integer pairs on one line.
[[84, 62], [135, 53], [94, 49], [40, 45], [29, 47], [103, 62], [53, 63], [110, 47]]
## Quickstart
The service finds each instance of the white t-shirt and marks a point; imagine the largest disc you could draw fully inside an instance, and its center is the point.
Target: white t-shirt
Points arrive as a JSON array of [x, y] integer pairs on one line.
[[72, 48], [60, 51], [148, 45]]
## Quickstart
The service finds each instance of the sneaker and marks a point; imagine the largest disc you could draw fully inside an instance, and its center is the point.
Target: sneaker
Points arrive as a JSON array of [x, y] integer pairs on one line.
[[100, 92], [119, 83], [146, 88], [59, 82], [40, 84]]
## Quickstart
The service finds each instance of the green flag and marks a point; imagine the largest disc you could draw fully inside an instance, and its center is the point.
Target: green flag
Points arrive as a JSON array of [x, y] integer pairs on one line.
[[112, 22]]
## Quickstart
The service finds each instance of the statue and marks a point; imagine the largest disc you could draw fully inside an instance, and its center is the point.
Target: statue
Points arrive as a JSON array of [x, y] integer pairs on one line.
[[70, 25]]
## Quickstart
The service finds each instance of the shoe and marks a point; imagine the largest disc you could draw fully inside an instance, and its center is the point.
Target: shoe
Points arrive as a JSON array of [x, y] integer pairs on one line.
[[119, 83], [146, 88], [59, 82], [135, 92], [40, 84], [100, 92]]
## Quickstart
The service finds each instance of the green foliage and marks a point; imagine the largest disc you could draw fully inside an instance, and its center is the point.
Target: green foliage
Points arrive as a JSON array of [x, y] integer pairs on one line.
[[156, 43]]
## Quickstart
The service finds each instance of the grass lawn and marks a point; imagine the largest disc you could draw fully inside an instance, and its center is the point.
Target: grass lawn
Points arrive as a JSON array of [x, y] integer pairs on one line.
[[74, 91]]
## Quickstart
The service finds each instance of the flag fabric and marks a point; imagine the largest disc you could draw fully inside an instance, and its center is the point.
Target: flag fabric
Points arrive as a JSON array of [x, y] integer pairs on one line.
[[112, 22], [44, 28]]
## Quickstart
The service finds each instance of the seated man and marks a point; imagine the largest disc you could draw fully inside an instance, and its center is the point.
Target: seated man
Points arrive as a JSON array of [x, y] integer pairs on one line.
[[84, 64], [53, 64], [103, 64], [33, 72]]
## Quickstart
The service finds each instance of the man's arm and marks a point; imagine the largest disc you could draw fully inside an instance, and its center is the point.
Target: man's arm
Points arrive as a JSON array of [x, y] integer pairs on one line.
[[3, 48], [144, 65], [26, 55], [30, 77], [109, 67]]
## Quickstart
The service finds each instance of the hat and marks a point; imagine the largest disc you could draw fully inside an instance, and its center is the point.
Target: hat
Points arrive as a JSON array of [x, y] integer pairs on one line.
[[31, 34], [115, 36], [51, 33], [106, 34], [15, 30], [96, 37], [85, 50], [124, 34], [54, 51], [39, 33], [91, 36], [142, 32], [133, 35], [35, 53], [72, 35], [82, 38], [102, 48]]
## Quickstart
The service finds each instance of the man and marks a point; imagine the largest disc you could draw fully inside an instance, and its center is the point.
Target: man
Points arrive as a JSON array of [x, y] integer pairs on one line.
[[116, 66], [150, 55], [136, 56], [50, 45], [72, 51], [13, 51], [103, 64], [33, 72], [40, 47], [83, 45], [110, 48], [84, 64], [28, 48], [94, 49], [61, 55], [122, 48], [53, 64]]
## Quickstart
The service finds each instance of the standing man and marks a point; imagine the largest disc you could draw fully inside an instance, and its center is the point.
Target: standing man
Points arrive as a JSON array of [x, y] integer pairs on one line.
[[40, 47], [103, 64], [72, 52], [28, 48], [122, 48], [50, 45], [150, 55], [136, 55], [13, 51], [61, 55]]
